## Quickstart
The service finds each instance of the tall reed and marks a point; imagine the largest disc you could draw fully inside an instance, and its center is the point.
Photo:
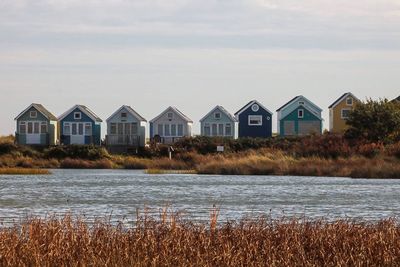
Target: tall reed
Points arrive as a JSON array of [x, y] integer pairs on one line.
[[172, 241]]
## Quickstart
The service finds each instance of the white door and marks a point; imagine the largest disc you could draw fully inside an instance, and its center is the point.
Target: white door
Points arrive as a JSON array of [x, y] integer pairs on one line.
[[77, 133], [33, 133]]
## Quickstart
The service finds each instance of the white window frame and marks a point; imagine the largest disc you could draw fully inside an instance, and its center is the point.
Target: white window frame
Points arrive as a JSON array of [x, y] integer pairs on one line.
[[347, 103], [221, 126], [207, 125], [301, 103], [44, 123], [176, 130], [215, 115], [84, 129], [167, 126], [113, 125], [230, 127], [170, 115], [302, 114], [255, 117], [70, 129], [24, 124], [33, 112], [124, 118], [255, 107], [79, 117], [341, 113]]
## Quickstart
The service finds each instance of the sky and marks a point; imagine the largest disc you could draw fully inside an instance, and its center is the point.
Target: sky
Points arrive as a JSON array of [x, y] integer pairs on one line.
[[194, 55]]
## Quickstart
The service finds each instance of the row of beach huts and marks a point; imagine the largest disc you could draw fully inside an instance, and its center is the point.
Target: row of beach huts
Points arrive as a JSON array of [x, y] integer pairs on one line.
[[127, 128]]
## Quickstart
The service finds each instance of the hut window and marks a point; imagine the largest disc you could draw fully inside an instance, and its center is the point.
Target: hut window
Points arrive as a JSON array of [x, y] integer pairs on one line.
[[161, 130], [67, 128], [170, 115], [217, 115], [134, 128], [301, 103], [349, 101], [167, 132], [36, 129], [113, 128], [220, 129], [77, 115], [255, 107], [22, 127], [345, 113], [88, 129], [255, 120], [43, 127], [33, 114], [228, 129], [180, 129], [207, 130], [30, 127], [214, 129], [124, 115], [173, 130], [300, 113]]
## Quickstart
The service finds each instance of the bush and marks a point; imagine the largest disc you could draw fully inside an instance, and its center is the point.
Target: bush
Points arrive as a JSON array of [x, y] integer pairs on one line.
[[7, 148], [370, 150], [394, 150], [77, 152]]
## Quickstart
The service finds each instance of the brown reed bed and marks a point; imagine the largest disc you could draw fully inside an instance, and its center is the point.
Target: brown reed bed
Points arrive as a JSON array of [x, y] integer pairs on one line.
[[266, 162], [172, 241], [23, 171]]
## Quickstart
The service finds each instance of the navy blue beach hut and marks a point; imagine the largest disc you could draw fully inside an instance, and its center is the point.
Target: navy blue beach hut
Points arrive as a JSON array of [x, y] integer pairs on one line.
[[255, 120], [80, 126]]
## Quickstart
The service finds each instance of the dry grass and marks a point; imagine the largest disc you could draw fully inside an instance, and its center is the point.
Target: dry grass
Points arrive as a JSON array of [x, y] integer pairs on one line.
[[23, 171], [277, 163], [170, 241]]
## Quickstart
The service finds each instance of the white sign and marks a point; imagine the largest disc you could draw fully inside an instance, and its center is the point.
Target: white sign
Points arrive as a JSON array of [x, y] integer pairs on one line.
[[220, 148]]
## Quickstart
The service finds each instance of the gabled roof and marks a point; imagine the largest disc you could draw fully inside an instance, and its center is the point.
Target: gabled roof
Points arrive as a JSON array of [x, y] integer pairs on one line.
[[340, 99], [297, 97], [85, 110], [41, 109], [249, 105], [307, 108], [396, 99], [177, 111], [130, 110], [223, 110]]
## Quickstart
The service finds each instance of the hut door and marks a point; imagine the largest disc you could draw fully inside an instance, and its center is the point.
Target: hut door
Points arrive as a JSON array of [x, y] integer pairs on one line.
[[78, 135], [33, 133]]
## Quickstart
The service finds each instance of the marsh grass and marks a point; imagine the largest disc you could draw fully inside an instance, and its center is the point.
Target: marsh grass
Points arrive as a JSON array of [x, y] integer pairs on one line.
[[169, 240], [23, 171]]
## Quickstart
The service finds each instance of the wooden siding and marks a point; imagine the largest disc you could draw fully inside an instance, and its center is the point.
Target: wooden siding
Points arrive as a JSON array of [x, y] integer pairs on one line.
[[224, 120], [94, 138], [293, 117], [337, 123], [46, 139]]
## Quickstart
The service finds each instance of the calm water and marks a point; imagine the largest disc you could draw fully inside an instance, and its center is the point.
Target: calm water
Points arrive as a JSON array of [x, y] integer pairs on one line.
[[100, 193]]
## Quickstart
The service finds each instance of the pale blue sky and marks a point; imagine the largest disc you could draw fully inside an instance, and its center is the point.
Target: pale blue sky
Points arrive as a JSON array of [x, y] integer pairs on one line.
[[194, 54]]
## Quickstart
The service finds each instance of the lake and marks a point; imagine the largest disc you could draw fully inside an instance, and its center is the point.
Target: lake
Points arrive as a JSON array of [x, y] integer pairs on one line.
[[119, 193]]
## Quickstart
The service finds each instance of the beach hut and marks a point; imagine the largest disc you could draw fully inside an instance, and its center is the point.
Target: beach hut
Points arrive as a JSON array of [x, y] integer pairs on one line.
[[36, 126], [219, 122], [125, 129], [170, 126], [80, 126], [339, 112], [299, 117], [255, 120]]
